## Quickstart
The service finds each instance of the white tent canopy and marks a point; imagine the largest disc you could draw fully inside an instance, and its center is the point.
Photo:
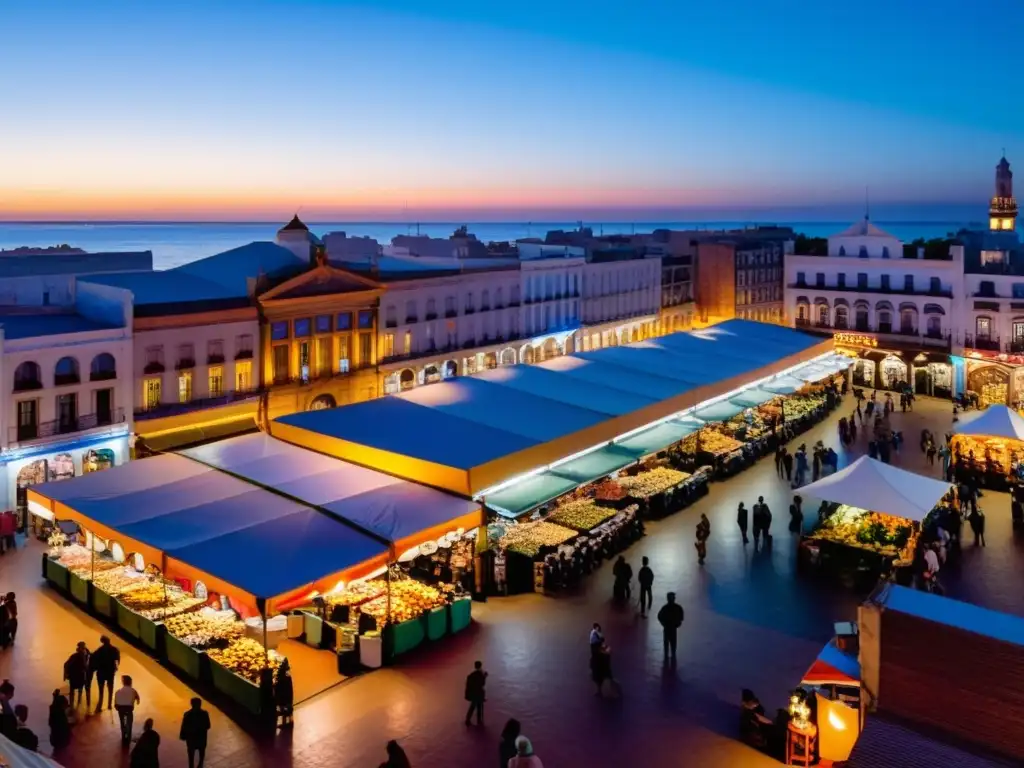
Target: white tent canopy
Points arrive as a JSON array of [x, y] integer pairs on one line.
[[873, 485], [994, 421], [16, 757]]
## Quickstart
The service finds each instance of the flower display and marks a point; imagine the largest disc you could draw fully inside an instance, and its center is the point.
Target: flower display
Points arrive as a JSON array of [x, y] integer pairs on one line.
[[153, 600], [875, 531], [409, 600], [652, 482], [356, 593], [528, 538]]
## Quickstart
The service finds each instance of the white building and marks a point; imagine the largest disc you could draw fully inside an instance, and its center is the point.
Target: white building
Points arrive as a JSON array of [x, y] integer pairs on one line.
[[67, 372], [899, 315]]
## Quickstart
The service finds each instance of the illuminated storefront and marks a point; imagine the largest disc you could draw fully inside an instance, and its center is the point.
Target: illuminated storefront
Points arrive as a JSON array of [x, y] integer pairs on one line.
[[883, 364]]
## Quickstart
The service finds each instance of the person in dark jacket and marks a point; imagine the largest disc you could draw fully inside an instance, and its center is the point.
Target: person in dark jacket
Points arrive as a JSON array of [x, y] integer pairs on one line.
[[396, 756], [977, 521], [146, 753], [787, 461], [646, 579], [671, 619], [104, 663], [284, 694], [60, 728], [780, 467], [11, 610], [195, 727], [741, 521], [507, 747], [703, 533], [8, 720], [76, 670], [475, 682], [24, 737]]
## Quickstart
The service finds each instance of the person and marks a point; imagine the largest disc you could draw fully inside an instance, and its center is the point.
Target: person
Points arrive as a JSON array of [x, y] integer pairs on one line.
[[396, 756], [124, 702], [646, 579], [619, 584], [104, 663], [11, 611], [977, 521], [475, 695], [23, 736], [596, 638], [741, 521], [703, 533], [60, 728], [8, 527], [601, 667], [507, 747], [801, 465], [853, 428], [75, 671], [671, 618], [787, 460], [931, 565], [195, 727], [755, 726], [284, 694], [780, 452], [524, 755], [796, 518], [146, 753], [8, 720], [816, 465]]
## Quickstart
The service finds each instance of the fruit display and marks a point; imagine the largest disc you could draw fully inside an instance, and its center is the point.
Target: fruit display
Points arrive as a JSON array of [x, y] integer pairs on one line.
[[246, 658], [409, 600], [581, 515], [202, 630], [117, 580], [528, 538], [652, 482], [153, 600], [992, 453], [356, 593], [795, 407], [711, 441], [609, 490], [885, 534], [78, 559]]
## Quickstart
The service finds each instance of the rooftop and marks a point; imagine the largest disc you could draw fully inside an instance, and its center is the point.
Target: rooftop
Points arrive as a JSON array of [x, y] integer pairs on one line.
[[233, 269], [32, 325], [295, 225], [863, 228], [163, 287]]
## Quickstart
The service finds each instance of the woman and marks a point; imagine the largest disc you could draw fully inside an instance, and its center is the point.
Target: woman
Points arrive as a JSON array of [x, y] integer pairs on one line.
[[75, 670], [601, 667], [524, 755], [60, 728], [396, 757], [284, 694], [507, 747], [754, 725], [146, 753]]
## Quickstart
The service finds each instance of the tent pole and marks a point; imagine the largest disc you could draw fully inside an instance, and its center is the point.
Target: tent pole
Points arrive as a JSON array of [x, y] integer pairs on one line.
[[92, 546], [263, 615]]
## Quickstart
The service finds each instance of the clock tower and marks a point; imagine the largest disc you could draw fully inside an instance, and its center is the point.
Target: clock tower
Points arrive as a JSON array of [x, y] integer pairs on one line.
[[1002, 212]]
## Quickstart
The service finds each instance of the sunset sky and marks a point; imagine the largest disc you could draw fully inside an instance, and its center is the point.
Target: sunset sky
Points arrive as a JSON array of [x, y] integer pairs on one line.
[[221, 110]]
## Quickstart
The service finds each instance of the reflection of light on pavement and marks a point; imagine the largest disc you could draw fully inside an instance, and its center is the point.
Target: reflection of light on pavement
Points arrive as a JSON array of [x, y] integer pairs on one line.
[[835, 721]]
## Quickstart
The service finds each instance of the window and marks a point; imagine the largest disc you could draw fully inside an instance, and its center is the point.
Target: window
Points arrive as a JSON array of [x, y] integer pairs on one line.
[[407, 346], [67, 412], [243, 346], [862, 319], [216, 380], [842, 250], [741, 278], [281, 367], [841, 318], [986, 288], [819, 279], [304, 360], [841, 279], [278, 331], [823, 315], [154, 356], [469, 302], [907, 317], [184, 386], [303, 327], [935, 326], [884, 322], [499, 298], [344, 321], [323, 323], [366, 318], [366, 348], [885, 282], [908, 283], [66, 371], [863, 252], [485, 300], [151, 391], [514, 300], [801, 279], [214, 352], [390, 317], [431, 309], [1017, 290], [410, 312], [935, 285], [387, 345], [343, 354], [243, 376], [323, 356], [885, 252], [862, 281], [28, 419], [983, 327], [103, 368]]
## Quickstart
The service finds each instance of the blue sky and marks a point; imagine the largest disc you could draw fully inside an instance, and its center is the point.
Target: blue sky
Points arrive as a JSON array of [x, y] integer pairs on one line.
[[214, 109]]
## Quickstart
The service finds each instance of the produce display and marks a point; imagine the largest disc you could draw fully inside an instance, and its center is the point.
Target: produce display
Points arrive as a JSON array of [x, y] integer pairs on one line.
[[528, 538], [357, 593], [80, 560], [609, 490], [795, 407], [409, 600], [245, 657], [873, 531], [652, 482], [581, 515], [710, 440], [994, 452], [118, 580], [202, 631], [154, 601]]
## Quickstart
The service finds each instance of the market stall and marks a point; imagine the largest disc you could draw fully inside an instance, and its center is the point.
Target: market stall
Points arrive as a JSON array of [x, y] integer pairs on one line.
[[989, 446]]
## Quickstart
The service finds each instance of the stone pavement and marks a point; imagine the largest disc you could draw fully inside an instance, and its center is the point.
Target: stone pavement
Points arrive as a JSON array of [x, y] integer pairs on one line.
[[750, 622]]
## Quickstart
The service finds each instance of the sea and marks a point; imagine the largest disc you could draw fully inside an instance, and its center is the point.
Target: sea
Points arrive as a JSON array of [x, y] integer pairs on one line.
[[174, 244]]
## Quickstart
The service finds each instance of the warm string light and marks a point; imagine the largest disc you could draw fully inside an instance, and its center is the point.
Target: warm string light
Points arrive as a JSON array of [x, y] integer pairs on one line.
[[799, 711]]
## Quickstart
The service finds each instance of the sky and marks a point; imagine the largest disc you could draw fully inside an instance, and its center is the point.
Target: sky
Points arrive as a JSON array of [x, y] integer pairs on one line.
[[223, 110]]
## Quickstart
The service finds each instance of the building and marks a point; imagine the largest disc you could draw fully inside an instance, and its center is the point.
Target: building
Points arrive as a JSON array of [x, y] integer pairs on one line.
[[896, 312], [66, 367]]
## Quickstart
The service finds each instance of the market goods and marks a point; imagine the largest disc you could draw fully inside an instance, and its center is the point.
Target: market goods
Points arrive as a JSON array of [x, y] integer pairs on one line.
[[201, 630], [528, 538], [409, 600], [711, 441], [78, 559], [356, 593], [653, 482], [153, 600], [989, 453], [609, 490], [581, 515], [246, 658], [854, 527], [795, 407], [117, 580]]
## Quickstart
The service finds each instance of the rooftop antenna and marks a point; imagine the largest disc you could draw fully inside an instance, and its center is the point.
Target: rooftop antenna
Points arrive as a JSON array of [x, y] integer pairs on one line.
[[867, 203]]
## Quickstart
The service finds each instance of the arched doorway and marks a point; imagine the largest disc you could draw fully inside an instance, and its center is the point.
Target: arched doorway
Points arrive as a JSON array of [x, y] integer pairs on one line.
[[391, 384], [894, 372], [407, 380], [550, 349], [450, 369], [991, 383], [507, 357], [323, 403], [864, 372], [431, 374], [527, 355], [490, 360]]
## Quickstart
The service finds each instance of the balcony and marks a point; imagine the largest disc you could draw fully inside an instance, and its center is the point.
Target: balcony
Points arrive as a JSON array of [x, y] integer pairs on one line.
[[25, 432], [215, 359], [469, 311], [63, 379], [282, 381], [197, 404], [941, 293], [185, 364], [243, 354], [985, 343], [103, 375], [390, 323], [1016, 346]]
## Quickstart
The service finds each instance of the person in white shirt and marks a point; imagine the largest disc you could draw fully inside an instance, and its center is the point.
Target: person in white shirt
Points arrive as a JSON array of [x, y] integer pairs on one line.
[[124, 702], [596, 637]]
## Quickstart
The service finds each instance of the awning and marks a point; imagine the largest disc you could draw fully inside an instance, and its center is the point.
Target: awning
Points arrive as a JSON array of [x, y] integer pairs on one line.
[[994, 421], [833, 667], [720, 411], [660, 437], [528, 494], [187, 436], [784, 385], [751, 398], [595, 464]]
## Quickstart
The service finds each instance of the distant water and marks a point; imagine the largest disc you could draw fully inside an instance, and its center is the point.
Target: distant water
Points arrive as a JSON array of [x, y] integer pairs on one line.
[[179, 243]]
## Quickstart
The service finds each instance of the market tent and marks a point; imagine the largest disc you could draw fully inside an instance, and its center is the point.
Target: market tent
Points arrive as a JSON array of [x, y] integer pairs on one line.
[[609, 397], [528, 494], [723, 410], [753, 397], [878, 487], [403, 513], [709, 347], [14, 756], [660, 437], [595, 464], [994, 421], [784, 385], [833, 667]]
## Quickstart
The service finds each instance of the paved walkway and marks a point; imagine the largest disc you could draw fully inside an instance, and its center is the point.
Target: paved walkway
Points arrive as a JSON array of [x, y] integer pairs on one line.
[[750, 622]]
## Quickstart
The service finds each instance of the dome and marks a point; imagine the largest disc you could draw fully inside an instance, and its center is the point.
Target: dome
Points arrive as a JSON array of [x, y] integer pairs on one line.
[[863, 228], [295, 225]]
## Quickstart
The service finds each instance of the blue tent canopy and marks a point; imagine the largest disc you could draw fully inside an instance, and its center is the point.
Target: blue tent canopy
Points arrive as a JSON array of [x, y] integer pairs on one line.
[[720, 411]]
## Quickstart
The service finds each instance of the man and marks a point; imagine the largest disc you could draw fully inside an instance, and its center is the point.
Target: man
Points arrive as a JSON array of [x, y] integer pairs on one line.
[[195, 725], [104, 663], [787, 462], [741, 521], [703, 532], [475, 682], [124, 702], [646, 579], [779, 453], [671, 618]]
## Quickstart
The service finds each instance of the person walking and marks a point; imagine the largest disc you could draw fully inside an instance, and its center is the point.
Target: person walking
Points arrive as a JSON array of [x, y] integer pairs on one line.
[[104, 663], [601, 668], [11, 611], [787, 461], [671, 619], [853, 430], [146, 753], [977, 521], [596, 638], [703, 532], [60, 728], [741, 521], [780, 468], [475, 695], [284, 694], [801, 465], [507, 747], [816, 465], [766, 521], [124, 702], [524, 755], [76, 670], [396, 756], [646, 580], [796, 518], [195, 728]]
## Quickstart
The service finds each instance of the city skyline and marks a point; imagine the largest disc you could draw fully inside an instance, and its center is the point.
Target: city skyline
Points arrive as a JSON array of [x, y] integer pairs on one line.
[[405, 112]]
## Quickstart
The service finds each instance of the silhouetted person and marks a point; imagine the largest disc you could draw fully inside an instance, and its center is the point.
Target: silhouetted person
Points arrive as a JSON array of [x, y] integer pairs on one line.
[[104, 663], [195, 728], [396, 756], [507, 747], [124, 702], [977, 521], [646, 579], [741, 521], [76, 670], [703, 533], [284, 694], [787, 461], [60, 728], [475, 695], [146, 753], [671, 619], [23, 736]]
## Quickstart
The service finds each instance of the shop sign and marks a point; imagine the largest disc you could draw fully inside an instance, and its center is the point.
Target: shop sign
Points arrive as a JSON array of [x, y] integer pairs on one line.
[[855, 339]]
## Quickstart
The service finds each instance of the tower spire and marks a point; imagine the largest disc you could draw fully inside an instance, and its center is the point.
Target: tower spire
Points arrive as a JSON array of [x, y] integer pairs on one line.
[[867, 203]]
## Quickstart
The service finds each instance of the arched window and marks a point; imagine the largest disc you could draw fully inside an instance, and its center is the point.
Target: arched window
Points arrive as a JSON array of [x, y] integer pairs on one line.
[[908, 320], [27, 376], [66, 371], [934, 326], [823, 314], [842, 250], [801, 312], [861, 318], [842, 318], [103, 367]]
